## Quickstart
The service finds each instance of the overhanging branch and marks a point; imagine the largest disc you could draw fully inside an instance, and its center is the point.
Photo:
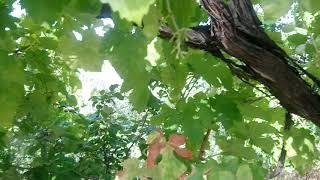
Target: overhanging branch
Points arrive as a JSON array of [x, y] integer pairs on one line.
[[236, 30]]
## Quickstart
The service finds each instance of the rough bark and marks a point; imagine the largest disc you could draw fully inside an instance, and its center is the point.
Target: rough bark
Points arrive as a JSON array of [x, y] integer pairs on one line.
[[236, 30]]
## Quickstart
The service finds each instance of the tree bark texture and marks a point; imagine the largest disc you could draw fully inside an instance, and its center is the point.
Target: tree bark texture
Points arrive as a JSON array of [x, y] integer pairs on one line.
[[236, 30]]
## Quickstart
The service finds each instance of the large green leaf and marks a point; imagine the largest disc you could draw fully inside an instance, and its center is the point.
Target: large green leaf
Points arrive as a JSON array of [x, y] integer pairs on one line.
[[129, 61], [11, 89], [226, 110], [211, 69], [221, 175], [170, 167], [85, 53], [244, 172]]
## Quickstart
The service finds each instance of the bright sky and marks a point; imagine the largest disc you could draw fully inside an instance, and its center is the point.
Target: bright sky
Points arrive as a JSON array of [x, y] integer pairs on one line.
[[92, 81]]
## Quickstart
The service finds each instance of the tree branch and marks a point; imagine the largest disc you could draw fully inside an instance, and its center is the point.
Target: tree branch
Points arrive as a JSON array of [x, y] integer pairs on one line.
[[236, 30]]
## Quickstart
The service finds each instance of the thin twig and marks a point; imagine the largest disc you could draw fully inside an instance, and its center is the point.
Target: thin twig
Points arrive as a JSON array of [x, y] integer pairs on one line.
[[311, 76], [190, 86], [252, 85], [144, 119], [204, 144], [287, 126], [174, 22]]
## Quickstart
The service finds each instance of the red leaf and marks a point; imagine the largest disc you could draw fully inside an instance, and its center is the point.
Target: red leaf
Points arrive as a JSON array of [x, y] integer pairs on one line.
[[177, 140], [184, 153], [154, 150]]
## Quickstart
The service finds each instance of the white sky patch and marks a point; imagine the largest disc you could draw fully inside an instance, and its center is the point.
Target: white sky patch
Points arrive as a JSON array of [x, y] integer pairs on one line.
[[95, 81], [84, 27], [152, 55], [108, 22], [77, 35], [17, 12], [100, 31]]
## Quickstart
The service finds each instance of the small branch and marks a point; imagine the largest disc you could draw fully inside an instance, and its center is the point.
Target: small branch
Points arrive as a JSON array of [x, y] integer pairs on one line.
[[249, 101], [199, 38], [144, 119], [287, 125], [204, 144], [311, 76], [189, 87], [252, 85], [174, 22]]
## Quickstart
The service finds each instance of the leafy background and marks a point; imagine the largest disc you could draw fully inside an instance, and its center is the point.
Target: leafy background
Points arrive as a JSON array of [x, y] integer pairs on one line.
[[170, 96]]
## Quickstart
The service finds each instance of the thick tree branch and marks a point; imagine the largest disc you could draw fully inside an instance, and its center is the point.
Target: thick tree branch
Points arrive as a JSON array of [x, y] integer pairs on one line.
[[199, 38], [239, 32], [236, 30]]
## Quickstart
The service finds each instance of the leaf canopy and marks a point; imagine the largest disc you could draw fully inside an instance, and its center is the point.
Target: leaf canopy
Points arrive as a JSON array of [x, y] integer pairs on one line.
[[202, 120]]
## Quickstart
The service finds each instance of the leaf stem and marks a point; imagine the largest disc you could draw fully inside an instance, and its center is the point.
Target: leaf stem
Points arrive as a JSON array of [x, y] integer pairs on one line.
[[144, 119], [287, 126], [204, 145], [174, 22]]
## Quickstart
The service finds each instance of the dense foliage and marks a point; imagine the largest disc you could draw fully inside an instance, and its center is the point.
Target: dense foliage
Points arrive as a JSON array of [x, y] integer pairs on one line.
[[232, 128]]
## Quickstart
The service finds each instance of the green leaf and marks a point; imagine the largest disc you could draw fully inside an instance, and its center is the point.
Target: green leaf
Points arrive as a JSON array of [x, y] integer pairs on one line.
[[85, 54], [297, 39], [221, 175], [151, 22], [211, 69], [11, 89], [178, 13], [259, 172], [230, 163], [226, 110], [236, 147], [129, 61], [244, 173], [170, 167], [301, 150], [131, 10], [266, 144]]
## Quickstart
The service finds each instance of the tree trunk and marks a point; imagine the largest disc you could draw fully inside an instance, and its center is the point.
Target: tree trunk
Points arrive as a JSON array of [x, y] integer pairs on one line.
[[236, 30]]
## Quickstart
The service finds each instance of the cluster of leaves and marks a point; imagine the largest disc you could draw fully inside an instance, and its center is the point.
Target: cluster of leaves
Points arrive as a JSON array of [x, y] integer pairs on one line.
[[71, 145], [162, 163], [232, 127]]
